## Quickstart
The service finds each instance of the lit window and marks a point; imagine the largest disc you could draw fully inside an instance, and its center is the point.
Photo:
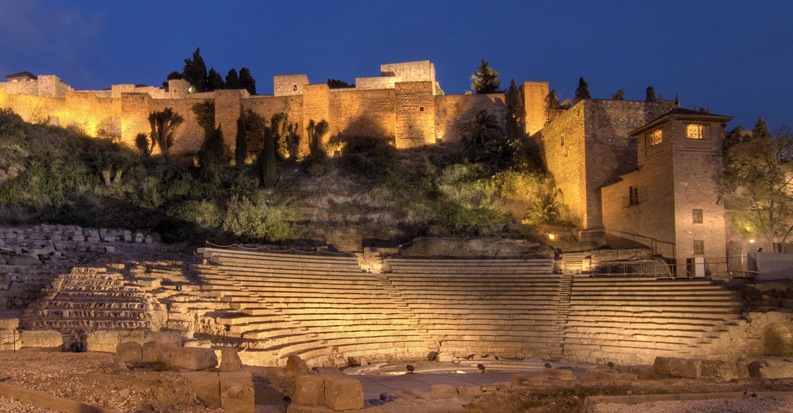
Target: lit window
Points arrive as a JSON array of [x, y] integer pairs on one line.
[[656, 137], [699, 247], [695, 132], [697, 213], [633, 195]]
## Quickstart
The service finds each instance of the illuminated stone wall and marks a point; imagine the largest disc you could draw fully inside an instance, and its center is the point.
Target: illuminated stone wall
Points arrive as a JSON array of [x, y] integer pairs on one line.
[[562, 146], [453, 110], [414, 108], [405, 104], [587, 146], [534, 95], [362, 112]]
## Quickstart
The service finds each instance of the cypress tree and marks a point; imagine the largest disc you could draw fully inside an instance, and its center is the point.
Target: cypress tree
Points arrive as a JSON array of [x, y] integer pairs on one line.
[[649, 95], [232, 80], [582, 91], [195, 71], [246, 81], [241, 148], [214, 80]]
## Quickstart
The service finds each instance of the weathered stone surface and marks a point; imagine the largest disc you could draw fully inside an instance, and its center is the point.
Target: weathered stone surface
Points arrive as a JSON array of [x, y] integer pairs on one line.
[[172, 338], [236, 392], [157, 353], [47, 339], [724, 370], [295, 366], [130, 352], [309, 390], [102, 340], [206, 386], [678, 367], [229, 360], [193, 358], [771, 368], [343, 392]]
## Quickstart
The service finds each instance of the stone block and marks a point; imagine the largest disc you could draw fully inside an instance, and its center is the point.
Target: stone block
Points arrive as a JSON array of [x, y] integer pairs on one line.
[[295, 366], [157, 353], [724, 370], [10, 340], [443, 390], [309, 390], [9, 323], [130, 352], [343, 392], [236, 392], [198, 343], [46, 339], [230, 360], [678, 367], [171, 338], [193, 358], [102, 340], [206, 386], [771, 368]]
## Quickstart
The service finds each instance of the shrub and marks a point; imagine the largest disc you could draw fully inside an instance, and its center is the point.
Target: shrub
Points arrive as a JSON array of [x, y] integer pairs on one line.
[[255, 219]]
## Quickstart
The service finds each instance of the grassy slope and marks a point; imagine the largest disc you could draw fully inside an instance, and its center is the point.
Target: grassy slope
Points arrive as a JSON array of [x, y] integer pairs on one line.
[[55, 175]]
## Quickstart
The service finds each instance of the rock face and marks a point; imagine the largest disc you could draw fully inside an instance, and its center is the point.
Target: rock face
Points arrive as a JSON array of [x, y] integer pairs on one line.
[[472, 247], [771, 368], [678, 367]]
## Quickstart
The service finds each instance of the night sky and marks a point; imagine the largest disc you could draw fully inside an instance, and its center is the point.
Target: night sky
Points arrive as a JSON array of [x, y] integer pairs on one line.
[[734, 58]]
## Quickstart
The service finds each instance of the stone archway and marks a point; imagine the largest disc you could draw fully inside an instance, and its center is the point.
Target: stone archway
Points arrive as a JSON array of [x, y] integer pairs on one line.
[[777, 340]]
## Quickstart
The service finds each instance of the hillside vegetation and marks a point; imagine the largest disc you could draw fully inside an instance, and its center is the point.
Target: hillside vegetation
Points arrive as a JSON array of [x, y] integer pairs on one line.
[[372, 192]]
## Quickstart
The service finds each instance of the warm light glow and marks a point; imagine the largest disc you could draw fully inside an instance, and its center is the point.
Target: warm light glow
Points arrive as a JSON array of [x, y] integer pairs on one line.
[[751, 241], [551, 236]]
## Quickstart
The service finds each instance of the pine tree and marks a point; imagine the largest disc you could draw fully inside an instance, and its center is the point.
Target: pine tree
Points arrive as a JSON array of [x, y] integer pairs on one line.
[[649, 95], [195, 71], [582, 91], [760, 130], [485, 80], [232, 80], [246, 81], [241, 148], [214, 80]]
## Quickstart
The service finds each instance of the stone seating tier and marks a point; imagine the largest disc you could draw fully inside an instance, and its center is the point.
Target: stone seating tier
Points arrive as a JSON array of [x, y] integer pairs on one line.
[[326, 311]]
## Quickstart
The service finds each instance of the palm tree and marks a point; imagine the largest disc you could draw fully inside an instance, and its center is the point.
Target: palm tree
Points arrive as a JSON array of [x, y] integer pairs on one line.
[[484, 135], [163, 125]]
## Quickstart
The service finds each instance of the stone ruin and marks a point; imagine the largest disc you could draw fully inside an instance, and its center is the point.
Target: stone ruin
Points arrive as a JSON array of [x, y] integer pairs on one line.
[[269, 306]]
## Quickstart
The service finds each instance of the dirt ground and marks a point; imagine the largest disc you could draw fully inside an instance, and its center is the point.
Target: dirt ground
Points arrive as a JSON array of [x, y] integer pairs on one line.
[[99, 379]]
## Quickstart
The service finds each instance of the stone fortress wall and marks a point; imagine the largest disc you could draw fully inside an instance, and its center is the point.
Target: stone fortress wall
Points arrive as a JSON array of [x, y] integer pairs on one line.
[[405, 103]]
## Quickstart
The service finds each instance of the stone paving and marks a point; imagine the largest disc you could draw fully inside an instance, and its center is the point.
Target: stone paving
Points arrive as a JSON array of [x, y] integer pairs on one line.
[[374, 385]]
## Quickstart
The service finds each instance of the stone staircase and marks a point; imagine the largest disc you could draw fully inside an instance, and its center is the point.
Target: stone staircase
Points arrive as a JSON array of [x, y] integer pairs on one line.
[[91, 299]]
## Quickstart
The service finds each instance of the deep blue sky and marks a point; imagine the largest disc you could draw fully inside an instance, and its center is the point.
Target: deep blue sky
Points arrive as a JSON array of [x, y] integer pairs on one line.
[[735, 58]]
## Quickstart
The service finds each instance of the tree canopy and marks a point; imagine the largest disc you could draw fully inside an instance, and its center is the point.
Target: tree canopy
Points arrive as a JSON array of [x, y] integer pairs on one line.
[[649, 94], [582, 91], [195, 71], [485, 80], [759, 180], [163, 126]]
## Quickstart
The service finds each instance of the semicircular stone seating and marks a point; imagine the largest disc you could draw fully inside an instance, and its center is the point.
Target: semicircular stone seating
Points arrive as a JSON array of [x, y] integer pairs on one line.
[[326, 309]]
